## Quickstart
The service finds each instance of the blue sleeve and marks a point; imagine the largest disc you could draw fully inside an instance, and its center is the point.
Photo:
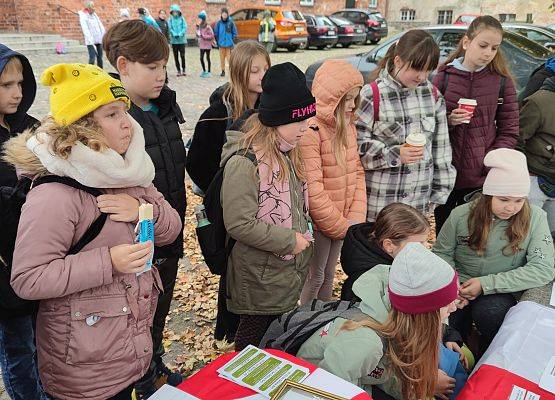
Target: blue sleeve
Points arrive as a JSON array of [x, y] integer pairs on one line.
[[217, 30], [184, 26]]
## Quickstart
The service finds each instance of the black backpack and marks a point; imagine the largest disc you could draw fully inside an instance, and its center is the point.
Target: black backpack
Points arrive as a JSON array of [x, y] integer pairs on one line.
[[11, 201], [289, 331], [215, 243]]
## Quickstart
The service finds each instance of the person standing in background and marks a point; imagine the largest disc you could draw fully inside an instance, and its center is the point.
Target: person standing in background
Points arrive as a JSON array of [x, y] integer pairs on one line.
[[163, 23], [205, 36], [145, 16], [267, 35], [93, 31], [177, 29], [225, 34]]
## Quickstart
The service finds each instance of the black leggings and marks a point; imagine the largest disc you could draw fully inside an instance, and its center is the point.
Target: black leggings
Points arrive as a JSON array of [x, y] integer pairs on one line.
[[487, 312], [179, 48], [202, 53], [251, 330]]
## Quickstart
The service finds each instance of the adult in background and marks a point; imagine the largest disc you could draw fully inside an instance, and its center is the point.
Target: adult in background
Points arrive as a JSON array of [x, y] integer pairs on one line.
[[540, 74], [145, 16], [177, 27], [93, 31], [225, 33], [266, 34], [163, 23]]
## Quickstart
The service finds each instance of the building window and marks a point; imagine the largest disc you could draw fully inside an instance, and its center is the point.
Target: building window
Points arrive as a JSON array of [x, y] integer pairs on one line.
[[272, 2], [507, 17], [307, 3], [445, 17], [529, 18], [216, 1], [408, 15], [373, 4]]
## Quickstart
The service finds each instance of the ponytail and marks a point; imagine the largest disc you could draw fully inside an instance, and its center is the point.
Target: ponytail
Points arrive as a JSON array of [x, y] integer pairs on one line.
[[499, 63]]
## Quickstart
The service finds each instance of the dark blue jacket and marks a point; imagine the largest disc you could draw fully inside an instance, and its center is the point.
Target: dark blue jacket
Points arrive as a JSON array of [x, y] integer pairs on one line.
[[20, 120]]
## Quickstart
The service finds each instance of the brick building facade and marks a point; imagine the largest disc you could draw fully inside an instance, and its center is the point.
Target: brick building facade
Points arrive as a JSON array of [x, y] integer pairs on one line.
[[59, 16]]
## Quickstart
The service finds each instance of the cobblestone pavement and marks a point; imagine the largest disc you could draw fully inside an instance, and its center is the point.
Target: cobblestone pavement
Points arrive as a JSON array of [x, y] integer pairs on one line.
[[192, 95]]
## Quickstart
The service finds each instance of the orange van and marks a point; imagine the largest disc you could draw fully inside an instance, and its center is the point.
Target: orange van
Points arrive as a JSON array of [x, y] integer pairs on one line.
[[291, 32]]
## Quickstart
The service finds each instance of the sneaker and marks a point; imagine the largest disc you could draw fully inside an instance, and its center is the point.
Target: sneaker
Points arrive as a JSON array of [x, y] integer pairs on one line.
[[208, 75], [183, 73], [166, 374], [145, 387], [179, 73], [222, 74], [203, 74]]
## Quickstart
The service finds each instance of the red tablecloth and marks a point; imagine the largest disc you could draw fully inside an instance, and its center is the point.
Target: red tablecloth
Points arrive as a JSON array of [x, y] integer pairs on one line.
[[207, 385]]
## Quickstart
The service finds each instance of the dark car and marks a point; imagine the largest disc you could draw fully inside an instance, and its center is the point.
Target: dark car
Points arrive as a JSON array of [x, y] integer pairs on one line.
[[542, 35], [321, 31], [522, 54], [347, 32], [374, 23]]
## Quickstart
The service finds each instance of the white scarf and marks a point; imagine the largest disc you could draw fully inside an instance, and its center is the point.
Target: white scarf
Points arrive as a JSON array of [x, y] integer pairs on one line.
[[106, 169]]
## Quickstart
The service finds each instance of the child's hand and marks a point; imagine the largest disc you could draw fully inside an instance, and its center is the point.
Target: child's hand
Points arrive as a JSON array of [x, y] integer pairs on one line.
[[461, 302], [411, 154], [456, 348], [130, 258], [471, 289], [301, 245], [459, 116], [445, 385], [121, 207]]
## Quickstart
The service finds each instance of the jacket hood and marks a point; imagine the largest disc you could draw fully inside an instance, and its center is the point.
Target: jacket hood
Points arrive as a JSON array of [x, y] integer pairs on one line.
[[549, 84], [29, 82], [232, 144], [175, 7], [371, 288], [331, 82], [456, 68], [24, 160], [217, 95], [458, 64], [359, 252]]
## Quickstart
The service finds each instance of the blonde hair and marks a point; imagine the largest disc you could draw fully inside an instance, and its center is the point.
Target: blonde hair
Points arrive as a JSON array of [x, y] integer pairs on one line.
[[12, 66], [340, 139], [266, 139], [236, 95], [84, 130], [413, 348]]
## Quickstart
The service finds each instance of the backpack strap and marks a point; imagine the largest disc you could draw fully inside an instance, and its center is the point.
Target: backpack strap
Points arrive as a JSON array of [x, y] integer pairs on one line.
[[445, 82], [375, 100], [94, 229], [435, 92]]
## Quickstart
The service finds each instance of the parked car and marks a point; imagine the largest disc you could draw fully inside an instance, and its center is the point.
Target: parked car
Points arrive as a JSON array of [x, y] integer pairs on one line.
[[321, 31], [539, 34], [347, 32], [551, 26], [523, 55], [374, 23], [290, 31], [465, 19]]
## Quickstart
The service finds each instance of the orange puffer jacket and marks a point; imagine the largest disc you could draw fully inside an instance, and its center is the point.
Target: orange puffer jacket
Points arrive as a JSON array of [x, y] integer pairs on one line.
[[337, 195]]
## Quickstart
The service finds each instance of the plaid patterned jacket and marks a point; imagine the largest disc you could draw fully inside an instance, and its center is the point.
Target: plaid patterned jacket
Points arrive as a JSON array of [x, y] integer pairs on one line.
[[401, 112]]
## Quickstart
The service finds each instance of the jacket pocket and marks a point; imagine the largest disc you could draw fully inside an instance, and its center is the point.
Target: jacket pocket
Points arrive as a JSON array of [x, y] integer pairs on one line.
[[98, 330], [390, 132]]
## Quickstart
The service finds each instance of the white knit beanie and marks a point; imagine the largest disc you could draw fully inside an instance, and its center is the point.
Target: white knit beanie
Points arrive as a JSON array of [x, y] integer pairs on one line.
[[420, 281], [508, 175]]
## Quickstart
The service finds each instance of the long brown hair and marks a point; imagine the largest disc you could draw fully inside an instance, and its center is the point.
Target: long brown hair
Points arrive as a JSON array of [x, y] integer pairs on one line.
[[413, 348], [266, 139], [236, 94], [499, 63], [398, 221], [480, 220], [417, 49], [340, 139]]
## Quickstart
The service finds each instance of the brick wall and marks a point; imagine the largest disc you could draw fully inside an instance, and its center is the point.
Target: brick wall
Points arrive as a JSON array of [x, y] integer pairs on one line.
[[56, 16]]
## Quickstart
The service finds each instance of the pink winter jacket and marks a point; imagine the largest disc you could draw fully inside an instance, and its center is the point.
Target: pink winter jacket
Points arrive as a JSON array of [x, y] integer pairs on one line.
[[76, 357], [337, 195]]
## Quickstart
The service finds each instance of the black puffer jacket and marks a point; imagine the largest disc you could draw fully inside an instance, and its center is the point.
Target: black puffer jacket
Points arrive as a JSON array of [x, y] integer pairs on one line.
[[358, 255], [164, 144], [537, 78], [203, 159]]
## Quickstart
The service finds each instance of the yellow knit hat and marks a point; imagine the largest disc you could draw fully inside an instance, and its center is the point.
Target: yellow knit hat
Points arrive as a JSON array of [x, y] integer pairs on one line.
[[79, 89]]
